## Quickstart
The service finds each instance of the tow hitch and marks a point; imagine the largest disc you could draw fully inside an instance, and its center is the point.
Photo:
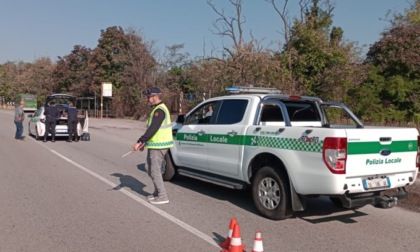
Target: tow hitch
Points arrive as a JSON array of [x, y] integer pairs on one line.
[[385, 201]]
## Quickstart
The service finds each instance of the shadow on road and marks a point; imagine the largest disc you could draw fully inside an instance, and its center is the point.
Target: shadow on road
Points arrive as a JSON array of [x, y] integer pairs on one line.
[[322, 210], [127, 181], [318, 210]]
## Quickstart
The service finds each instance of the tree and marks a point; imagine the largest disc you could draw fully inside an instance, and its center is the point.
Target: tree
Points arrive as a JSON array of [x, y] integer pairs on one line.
[[37, 78], [321, 63], [74, 73], [244, 63], [396, 56], [136, 77], [124, 60], [24, 77]]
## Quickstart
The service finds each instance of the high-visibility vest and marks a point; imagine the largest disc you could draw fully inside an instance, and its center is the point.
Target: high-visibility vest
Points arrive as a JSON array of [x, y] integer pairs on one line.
[[163, 138]]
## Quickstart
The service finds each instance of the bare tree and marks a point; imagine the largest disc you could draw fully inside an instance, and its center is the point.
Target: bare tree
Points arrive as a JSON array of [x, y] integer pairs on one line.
[[245, 62], [231, 27]]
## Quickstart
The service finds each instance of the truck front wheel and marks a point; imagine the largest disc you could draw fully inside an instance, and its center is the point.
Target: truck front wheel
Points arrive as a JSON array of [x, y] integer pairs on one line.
[[168, 168], [271, 194]]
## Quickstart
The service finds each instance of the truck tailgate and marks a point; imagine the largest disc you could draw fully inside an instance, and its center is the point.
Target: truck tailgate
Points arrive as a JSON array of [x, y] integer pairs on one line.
[[376, 151]]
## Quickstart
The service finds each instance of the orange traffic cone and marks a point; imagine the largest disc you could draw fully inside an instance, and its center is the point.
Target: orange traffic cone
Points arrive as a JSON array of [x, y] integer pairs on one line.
[[258, 245], [235, 241], [226, 243]]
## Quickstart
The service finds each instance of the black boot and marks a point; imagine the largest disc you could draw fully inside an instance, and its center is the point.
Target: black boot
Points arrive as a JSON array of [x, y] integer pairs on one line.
[[69, 140]]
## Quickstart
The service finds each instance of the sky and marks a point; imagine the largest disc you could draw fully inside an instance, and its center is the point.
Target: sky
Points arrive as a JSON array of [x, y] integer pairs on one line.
[[31, 29]]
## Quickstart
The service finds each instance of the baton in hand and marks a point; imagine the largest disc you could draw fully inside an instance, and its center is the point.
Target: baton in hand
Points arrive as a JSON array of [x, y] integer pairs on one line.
[[126, 154]]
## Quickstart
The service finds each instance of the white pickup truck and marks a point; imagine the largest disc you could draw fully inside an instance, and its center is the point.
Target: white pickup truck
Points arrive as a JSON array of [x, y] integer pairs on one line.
[[289, 148]]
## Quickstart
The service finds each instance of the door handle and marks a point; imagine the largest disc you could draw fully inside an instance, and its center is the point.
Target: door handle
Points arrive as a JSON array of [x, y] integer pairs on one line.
[[232, 133]]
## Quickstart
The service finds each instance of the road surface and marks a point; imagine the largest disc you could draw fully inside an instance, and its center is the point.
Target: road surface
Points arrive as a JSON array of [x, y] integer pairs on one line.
[[84, 197]]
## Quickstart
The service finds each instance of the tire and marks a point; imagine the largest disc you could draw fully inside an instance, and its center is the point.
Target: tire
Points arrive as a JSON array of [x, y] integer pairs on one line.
[[37, 137], [271, 194], [168, 168]]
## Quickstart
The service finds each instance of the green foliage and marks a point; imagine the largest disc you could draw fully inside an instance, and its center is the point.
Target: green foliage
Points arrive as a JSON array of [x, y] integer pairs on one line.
[[320, 59], [74, 73], [396, 57], [364, 99], [112, 55]]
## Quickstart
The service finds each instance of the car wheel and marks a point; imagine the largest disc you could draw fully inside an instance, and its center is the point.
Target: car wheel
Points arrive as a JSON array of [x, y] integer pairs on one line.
[[271, 194], [168, 168]]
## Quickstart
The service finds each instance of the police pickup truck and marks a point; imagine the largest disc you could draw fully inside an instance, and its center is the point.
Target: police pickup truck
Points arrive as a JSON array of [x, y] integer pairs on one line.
[[290, 148]]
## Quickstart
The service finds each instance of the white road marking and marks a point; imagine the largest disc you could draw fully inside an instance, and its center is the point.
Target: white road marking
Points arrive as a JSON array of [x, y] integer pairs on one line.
[[164, 214]]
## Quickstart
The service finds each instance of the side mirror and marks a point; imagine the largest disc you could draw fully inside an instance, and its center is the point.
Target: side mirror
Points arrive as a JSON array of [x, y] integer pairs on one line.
[[180, 119]]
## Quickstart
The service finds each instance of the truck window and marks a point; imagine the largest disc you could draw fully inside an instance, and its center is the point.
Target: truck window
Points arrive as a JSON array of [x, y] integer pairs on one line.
[[202, 115], [231, 111], [302, 112], [271, 113], [337, 118]]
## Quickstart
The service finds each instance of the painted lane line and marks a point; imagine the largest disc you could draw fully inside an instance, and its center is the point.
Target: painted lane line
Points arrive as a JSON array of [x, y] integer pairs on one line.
[[162, 213]]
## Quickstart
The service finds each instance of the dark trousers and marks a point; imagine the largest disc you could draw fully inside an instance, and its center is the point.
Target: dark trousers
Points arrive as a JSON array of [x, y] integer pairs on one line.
[[50, 124], [72, 127], [19, 129]]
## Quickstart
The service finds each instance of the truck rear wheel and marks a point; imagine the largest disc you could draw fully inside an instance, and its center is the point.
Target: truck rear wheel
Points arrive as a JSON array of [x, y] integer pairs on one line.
[[168, 168], [271, 194]]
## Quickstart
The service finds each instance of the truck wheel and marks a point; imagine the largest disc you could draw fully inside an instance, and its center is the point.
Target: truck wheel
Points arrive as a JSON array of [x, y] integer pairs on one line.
[[271, 194], [168, 168]]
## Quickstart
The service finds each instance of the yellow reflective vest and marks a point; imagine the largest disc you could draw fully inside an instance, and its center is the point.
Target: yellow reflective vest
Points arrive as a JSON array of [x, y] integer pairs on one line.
[[163, 138]]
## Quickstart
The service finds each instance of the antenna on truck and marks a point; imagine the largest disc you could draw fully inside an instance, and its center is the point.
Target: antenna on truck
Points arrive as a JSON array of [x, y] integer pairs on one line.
[[252, 90]]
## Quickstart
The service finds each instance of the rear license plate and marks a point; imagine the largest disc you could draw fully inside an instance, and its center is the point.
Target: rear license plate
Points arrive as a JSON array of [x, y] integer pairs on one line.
[[376, 183], [61, 131]]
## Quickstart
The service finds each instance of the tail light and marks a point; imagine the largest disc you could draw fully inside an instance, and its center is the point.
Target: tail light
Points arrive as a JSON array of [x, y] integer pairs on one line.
[[42, 120], [334, 153], [418, 152]]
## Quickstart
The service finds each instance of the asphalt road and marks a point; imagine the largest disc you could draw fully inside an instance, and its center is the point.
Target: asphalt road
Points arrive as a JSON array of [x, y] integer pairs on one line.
[[84, 197]]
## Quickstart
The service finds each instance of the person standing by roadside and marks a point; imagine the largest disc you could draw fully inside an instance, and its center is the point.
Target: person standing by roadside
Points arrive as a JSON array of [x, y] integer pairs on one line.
[[52, 114], [19, 117], [71, 112], [157, 139]]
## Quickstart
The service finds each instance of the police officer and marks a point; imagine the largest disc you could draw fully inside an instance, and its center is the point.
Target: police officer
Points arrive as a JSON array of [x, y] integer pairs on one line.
[[52, 114], [158, 139], [71, 112]]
